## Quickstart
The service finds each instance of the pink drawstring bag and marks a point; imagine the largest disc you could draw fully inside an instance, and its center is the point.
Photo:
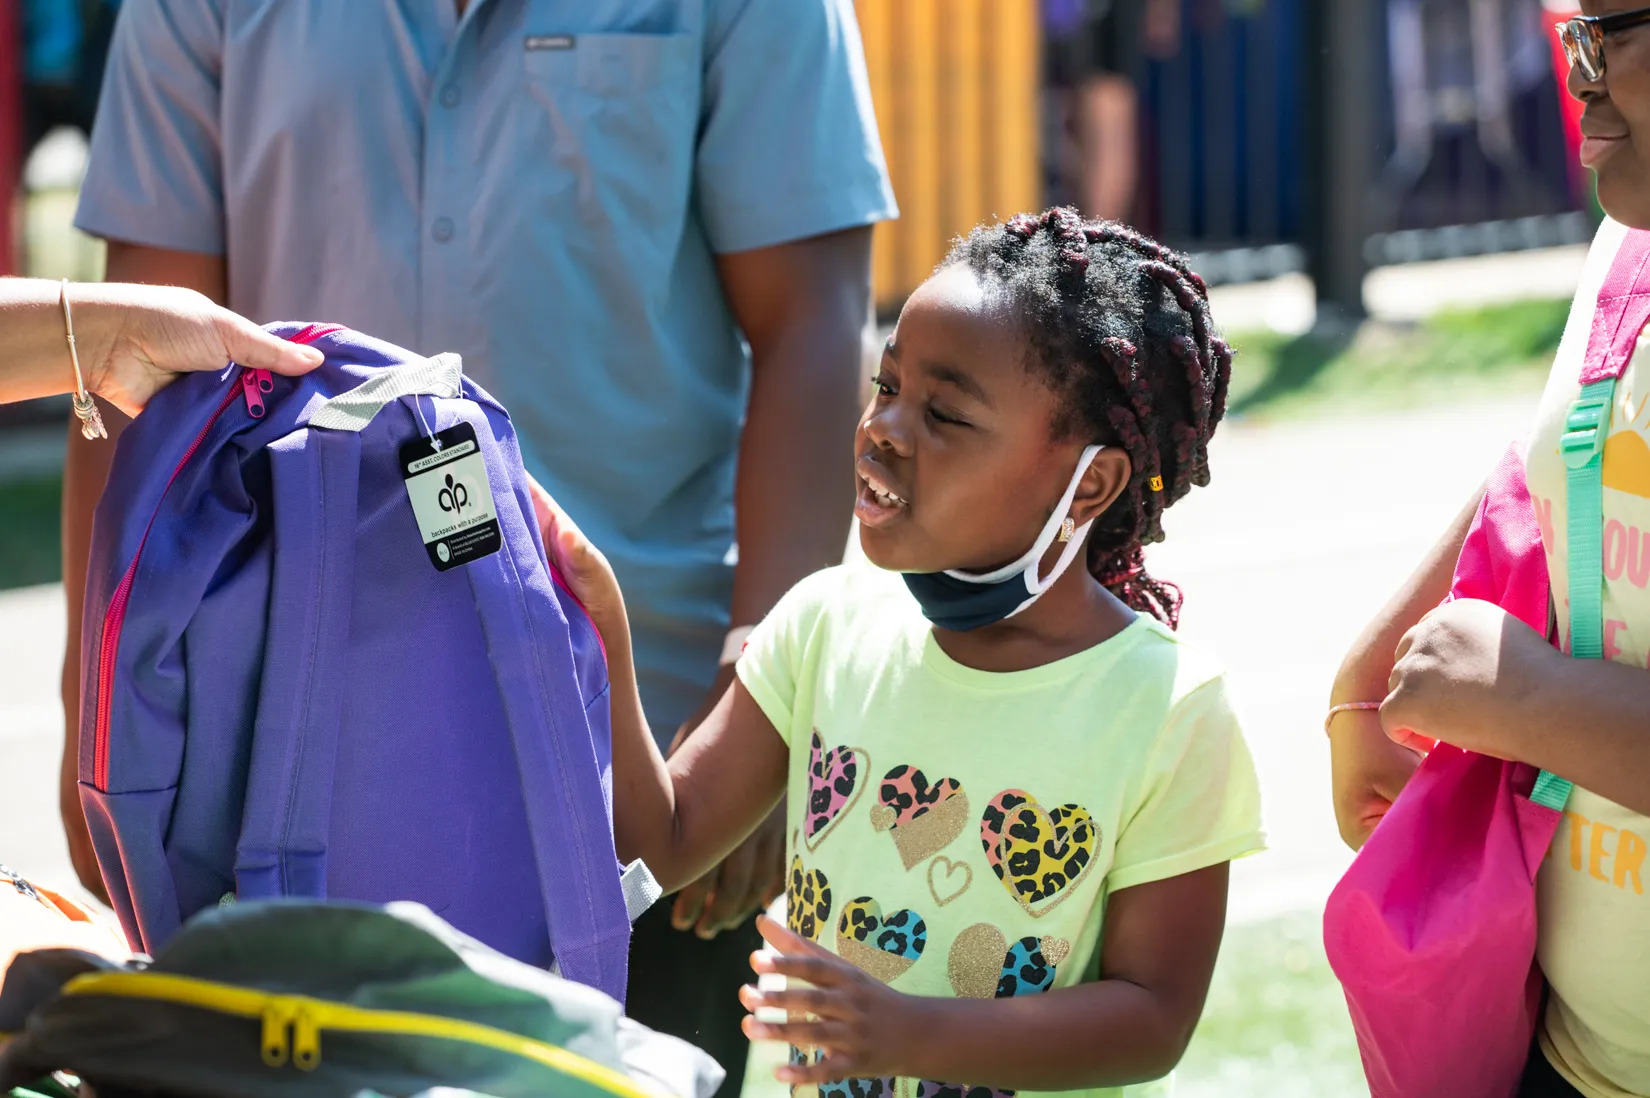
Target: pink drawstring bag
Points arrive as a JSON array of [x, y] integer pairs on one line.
[[1432, 931]]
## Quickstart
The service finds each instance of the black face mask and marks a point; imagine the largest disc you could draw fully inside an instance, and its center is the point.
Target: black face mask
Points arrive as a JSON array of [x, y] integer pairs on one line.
[[961, 601]]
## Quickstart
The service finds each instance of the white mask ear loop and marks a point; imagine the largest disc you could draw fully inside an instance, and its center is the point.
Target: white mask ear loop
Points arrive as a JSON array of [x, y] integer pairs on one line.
[[1029, 563]]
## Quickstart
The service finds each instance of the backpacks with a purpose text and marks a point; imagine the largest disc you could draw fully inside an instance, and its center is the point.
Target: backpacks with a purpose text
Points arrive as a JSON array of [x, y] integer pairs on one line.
[[324, 656]]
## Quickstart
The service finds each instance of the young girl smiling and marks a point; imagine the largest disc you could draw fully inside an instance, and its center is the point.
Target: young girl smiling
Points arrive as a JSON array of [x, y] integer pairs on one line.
[[1013, 792]]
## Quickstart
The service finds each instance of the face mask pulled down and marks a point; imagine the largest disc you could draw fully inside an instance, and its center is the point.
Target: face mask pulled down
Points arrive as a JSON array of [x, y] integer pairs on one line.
[[963, 601]]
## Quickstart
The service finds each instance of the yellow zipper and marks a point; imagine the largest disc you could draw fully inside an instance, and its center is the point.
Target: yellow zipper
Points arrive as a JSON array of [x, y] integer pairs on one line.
[[292, 1024]]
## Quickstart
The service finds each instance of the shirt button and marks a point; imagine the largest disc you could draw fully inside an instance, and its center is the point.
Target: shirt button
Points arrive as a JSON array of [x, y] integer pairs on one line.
[[450, 96], [442, 230]]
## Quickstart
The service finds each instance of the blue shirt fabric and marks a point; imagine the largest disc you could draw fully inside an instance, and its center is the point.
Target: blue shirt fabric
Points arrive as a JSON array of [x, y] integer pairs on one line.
[[539, 185]]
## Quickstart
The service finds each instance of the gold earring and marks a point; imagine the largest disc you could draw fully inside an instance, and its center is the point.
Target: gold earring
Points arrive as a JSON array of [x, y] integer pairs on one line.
[[1068, 528]]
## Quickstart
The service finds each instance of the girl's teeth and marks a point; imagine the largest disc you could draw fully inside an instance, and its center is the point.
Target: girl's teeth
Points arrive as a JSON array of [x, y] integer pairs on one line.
[[887, 499]]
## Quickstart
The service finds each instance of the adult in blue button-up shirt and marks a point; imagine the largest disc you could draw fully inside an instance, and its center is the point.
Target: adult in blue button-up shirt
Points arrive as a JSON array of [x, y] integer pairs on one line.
[[643, 223]]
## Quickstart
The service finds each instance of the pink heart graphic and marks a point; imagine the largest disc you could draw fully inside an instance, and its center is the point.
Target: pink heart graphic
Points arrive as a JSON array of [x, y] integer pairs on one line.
[[833, 786]]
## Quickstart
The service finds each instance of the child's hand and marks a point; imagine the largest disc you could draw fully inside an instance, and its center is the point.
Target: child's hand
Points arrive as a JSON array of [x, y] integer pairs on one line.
[[860, 1025], [581, 566]]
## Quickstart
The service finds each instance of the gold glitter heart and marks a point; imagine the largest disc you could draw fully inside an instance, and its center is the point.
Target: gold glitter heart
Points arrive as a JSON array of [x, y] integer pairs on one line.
[[942, 871], [1055, 950]]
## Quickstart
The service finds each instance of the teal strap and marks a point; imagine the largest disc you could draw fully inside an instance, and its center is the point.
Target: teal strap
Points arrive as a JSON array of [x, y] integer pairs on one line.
[[1551, 790], [1582, 446]]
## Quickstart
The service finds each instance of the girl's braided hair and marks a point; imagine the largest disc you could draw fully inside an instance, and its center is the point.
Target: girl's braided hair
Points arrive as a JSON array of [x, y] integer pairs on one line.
[[1120, 327]]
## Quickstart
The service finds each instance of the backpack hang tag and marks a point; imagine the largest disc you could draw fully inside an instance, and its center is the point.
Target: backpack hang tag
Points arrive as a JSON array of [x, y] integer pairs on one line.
[[451, 498]]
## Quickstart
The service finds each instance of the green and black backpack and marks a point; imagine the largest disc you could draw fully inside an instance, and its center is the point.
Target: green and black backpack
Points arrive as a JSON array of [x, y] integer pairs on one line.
[[294, 997]]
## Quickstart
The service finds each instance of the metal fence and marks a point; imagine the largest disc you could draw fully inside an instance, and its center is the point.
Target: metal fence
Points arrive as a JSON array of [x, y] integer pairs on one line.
[[1465, 117]]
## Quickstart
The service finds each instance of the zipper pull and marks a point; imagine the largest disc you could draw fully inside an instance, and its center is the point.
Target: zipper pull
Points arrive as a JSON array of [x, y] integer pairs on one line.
[[306, 1042], [256, 383], [278, 1017]]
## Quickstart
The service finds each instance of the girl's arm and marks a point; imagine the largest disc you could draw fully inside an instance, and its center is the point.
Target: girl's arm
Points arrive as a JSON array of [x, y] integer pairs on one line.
[[685, 816], [1368, 771], [1472, 675], [1132, 1025]]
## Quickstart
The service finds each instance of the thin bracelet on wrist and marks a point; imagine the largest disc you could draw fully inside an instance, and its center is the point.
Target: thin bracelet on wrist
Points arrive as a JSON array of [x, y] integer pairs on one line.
[[1349, 707], [91, 420]]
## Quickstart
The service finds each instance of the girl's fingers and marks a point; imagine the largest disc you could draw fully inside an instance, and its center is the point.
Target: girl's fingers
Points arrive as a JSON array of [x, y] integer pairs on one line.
[[787, 941], [794, 1001], [824, 971], [831, 1069], [812, 1035]]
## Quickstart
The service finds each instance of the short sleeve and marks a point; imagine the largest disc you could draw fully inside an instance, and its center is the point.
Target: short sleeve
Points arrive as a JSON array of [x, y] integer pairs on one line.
[[1201, 801], [155, 175], [775, 656], [788, 145]]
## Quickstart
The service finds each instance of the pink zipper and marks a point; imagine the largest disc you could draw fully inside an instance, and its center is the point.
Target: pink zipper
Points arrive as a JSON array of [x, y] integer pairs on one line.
[[251, 385], [255, 383], [116, 615]]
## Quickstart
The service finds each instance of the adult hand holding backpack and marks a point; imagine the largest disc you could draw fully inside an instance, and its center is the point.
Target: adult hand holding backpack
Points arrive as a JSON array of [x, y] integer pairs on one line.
[[1462, 675], [130, 341]]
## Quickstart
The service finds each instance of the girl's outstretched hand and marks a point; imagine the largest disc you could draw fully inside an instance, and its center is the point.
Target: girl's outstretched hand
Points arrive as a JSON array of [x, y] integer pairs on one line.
[[581, 566], [1460, 677], [857, 1024]]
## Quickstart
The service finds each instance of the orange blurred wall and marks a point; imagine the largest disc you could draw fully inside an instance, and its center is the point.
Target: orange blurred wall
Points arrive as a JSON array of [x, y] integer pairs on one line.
[[956, 85]]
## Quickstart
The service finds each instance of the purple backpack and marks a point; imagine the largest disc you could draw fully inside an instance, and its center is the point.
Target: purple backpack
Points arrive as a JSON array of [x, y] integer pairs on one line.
[[324, 656]]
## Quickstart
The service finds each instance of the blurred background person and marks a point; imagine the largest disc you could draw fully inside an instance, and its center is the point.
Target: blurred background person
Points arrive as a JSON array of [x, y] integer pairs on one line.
[[1096, 53]]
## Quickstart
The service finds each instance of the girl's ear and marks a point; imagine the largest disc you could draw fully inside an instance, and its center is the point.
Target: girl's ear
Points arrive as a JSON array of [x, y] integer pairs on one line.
[[1108, 475]]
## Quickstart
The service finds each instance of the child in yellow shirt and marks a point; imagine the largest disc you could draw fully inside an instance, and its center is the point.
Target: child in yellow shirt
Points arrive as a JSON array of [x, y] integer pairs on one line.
[[1013, 792]]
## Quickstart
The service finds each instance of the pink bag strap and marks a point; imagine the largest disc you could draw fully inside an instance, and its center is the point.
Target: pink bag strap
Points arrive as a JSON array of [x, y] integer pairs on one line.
[[1623, 310]]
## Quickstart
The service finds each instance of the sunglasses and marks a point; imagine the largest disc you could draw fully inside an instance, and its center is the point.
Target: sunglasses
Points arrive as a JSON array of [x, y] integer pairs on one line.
[[1583, 38]]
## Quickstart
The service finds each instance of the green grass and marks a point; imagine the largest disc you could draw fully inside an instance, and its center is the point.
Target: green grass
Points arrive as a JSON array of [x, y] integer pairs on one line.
[[1455, 355], [31, 544], [1275, 1025]]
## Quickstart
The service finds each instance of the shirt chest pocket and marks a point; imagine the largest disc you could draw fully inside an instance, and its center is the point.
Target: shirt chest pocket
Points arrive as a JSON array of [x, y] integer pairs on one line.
[[618, 114]]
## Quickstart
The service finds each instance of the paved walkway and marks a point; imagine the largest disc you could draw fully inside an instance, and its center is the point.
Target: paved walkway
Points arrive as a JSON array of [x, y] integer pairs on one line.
[[1304, 532], [1409, 292]]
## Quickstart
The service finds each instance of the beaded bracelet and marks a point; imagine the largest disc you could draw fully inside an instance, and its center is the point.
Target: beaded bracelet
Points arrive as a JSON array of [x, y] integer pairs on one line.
[[1349, 707]]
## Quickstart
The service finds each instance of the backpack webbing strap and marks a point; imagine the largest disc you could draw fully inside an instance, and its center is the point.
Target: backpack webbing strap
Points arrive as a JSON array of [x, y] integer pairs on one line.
[[352, 411], [640, 889]]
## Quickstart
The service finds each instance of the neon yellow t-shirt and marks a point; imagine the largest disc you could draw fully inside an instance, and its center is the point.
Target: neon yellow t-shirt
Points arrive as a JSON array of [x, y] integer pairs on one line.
[[956, 832], [1594, 914]]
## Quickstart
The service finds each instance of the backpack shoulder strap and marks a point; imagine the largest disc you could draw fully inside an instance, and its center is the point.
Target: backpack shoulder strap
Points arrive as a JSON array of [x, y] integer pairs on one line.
[[1622, 312], [565, 784], [282, 851]]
